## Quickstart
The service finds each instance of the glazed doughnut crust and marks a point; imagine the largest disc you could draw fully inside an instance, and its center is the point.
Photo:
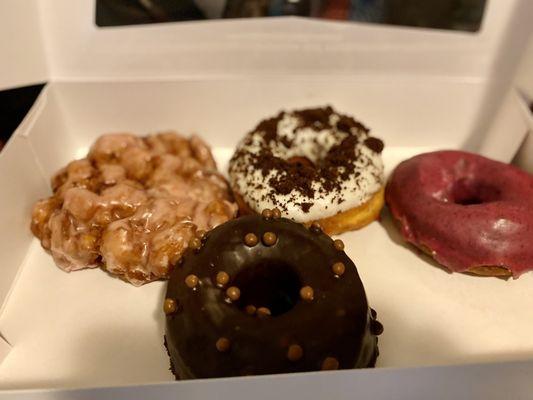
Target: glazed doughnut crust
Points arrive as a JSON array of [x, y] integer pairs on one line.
[[132, 205]]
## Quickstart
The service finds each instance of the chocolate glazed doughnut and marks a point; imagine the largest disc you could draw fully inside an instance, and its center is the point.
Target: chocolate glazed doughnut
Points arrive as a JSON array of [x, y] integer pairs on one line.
[[264, 295]]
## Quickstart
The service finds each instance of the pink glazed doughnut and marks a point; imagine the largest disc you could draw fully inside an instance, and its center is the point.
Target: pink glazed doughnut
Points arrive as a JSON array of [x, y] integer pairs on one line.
[[470, 213]]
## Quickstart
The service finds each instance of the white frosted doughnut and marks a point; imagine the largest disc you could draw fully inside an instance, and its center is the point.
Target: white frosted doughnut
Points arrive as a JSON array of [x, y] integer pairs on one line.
[[311, 164]]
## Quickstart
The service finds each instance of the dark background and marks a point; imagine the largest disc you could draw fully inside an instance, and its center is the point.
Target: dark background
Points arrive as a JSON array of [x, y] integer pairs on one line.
[[14, 105], [463, 15]]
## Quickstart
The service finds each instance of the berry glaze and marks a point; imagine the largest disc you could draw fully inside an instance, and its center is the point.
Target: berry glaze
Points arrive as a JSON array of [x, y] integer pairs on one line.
[[470, 213]]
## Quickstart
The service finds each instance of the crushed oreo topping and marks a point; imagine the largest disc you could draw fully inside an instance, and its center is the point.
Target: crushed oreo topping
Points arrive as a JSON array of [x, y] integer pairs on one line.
[[314, 118], [346, 123], [305, 206], [298, 173], [374, 144], [269, 129]]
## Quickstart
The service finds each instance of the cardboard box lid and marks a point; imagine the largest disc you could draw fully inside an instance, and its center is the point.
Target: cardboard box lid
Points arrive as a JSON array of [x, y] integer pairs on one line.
[[524, 76], [58, 40], [21, 45]]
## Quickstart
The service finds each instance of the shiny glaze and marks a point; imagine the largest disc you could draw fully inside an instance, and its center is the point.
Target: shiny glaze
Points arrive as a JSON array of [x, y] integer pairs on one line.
[[132, 205], [336, 323], [469, 211]]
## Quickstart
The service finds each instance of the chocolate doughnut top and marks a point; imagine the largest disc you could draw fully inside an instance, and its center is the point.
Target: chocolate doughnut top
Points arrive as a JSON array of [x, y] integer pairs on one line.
[[266, 295], [311, 164]]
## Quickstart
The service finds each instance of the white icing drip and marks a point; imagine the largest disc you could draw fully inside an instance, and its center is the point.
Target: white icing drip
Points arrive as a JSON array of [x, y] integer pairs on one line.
[[363, 183]]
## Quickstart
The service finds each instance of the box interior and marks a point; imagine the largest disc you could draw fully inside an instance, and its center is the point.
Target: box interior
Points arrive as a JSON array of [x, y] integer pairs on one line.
[[86, 329], [418, 90]]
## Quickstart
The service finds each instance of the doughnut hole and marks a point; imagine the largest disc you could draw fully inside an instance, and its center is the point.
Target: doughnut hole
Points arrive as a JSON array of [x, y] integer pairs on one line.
[[470, 191], [301, 161], [274, 285]]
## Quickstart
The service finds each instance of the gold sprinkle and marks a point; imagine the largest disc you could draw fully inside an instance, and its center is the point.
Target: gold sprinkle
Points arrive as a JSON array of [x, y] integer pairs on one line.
[[222, 278], [250, 239], [250, 309], [295, 352], [191, 281], [339, 245], [338, 268], [307, 293], [201, 234], [233, 293], [376, 327], [329, 364], [267, 214], [269, 238], [263, 312], [170, 306], [276, 213], [223, 344], [315, 227], [195, 244]]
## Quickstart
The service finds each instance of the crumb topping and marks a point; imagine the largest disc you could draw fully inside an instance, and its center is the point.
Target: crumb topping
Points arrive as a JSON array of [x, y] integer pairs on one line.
[[296, 158]]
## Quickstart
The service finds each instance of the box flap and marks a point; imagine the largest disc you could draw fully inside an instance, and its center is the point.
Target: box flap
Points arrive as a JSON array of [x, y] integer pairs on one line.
[[4, 349], [19, 191], [21, 44], [479, 381], [78, 49], [508, 129], [60, 40], [524, 77]]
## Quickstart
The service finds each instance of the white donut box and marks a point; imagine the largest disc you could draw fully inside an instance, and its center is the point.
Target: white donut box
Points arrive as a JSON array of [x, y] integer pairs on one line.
[[85, 335]]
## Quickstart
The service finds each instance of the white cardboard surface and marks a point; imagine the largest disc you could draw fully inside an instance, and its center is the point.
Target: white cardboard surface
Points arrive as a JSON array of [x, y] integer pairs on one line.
[[524, 87], [508, 129], [524, 78], [78, 49], [21, 46], [21, 180], [87, 329], [4, 349], [59, 40], [487, 382], [524, 157], [407, 111]]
